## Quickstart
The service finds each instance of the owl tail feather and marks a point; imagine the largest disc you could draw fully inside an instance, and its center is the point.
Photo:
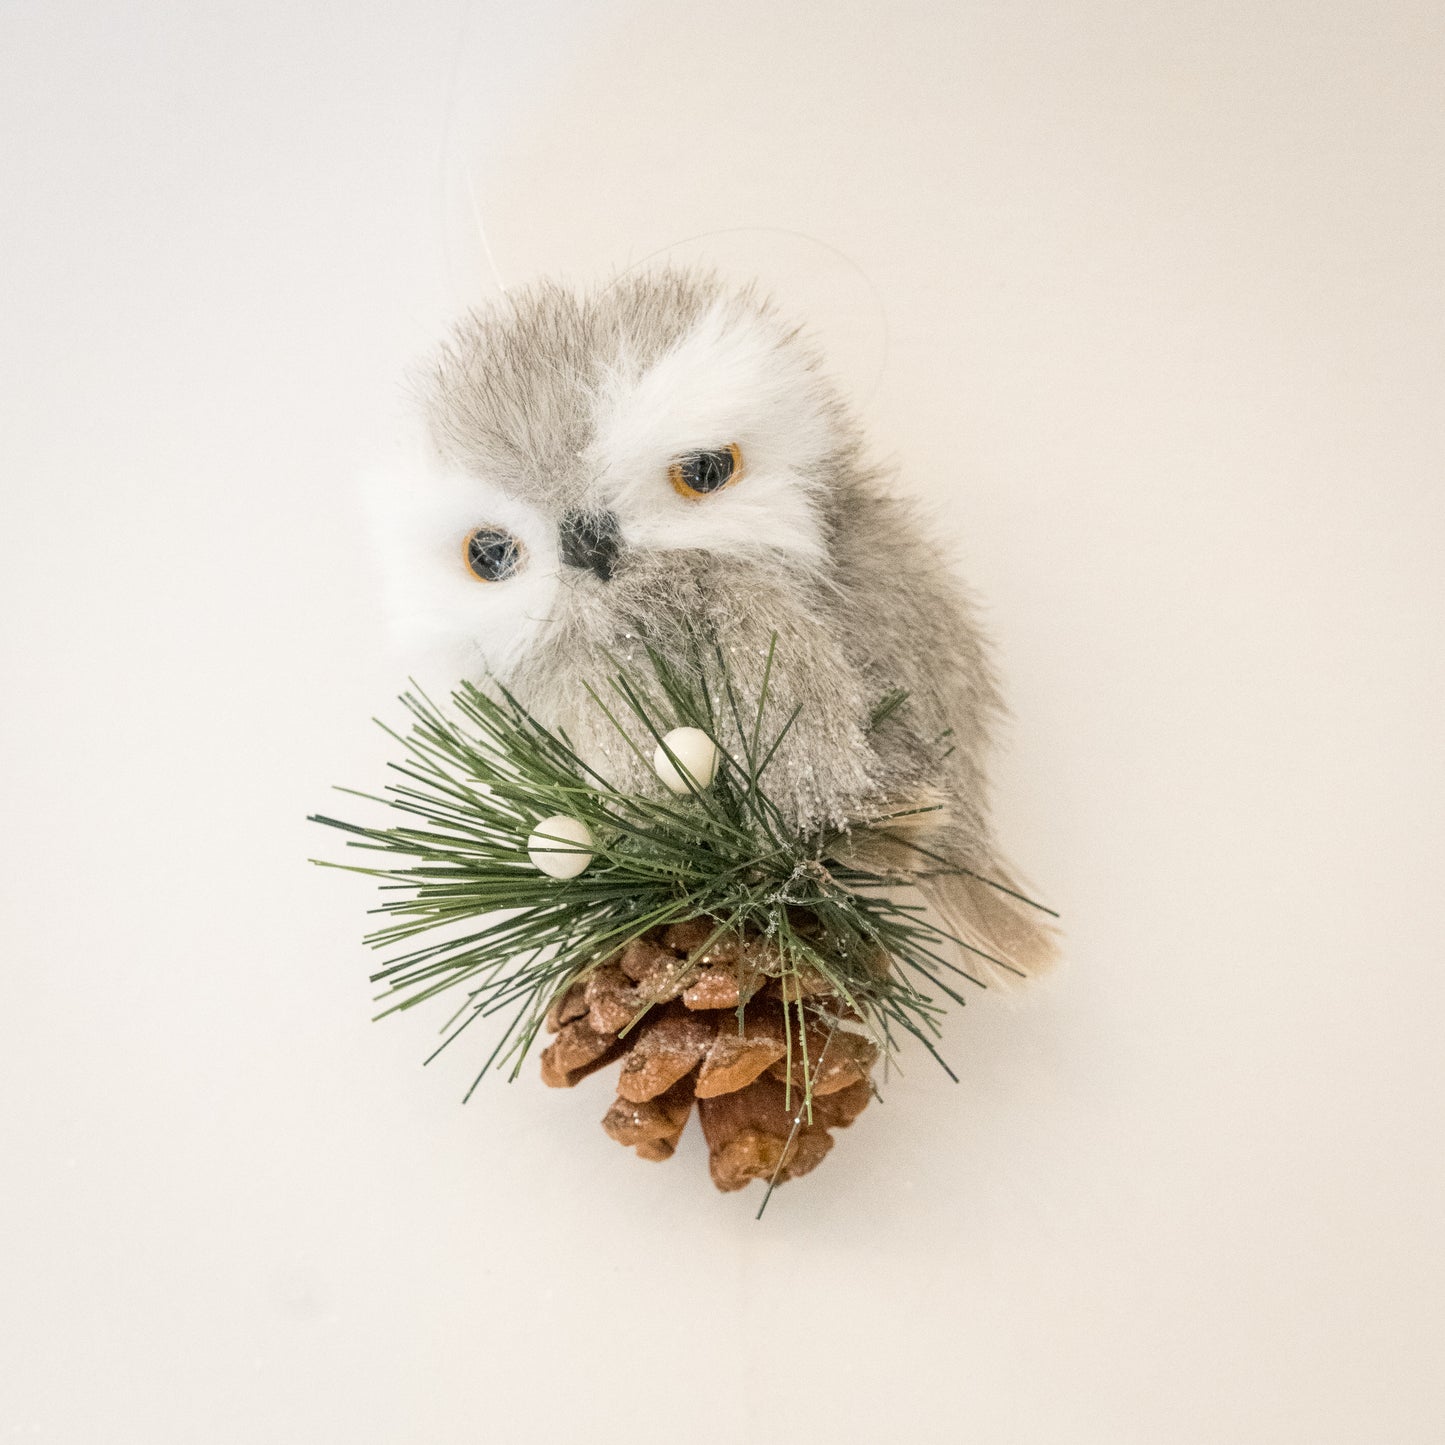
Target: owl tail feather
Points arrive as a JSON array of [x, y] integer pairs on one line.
[[1004, 937], [1007, 939]]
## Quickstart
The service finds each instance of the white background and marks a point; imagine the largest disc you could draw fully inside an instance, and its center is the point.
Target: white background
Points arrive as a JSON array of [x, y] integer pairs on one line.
[[1147, 300]]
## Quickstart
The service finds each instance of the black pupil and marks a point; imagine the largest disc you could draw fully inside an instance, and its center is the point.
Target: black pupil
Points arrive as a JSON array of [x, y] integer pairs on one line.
[[492, 553], [706, 471]]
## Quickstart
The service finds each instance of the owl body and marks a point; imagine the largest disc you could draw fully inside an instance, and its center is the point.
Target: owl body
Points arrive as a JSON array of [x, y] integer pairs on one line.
[[664, 460]]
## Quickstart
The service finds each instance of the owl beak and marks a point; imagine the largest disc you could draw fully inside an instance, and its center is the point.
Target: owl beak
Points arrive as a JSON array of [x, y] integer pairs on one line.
[[591, 541]]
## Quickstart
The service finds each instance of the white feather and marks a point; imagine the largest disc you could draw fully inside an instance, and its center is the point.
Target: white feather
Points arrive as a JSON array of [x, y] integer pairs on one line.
[[445, 623], [727, 381]]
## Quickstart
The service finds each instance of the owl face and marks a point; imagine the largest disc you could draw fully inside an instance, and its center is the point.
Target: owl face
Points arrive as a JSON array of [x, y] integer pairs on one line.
[[584, 460]]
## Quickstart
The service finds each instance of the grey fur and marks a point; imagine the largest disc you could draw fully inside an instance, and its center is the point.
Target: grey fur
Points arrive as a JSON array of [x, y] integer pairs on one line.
[[509, 398]]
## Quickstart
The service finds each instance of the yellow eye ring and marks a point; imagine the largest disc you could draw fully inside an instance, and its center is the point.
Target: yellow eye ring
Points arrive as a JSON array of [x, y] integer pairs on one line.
[[492, 554], [695, 475]]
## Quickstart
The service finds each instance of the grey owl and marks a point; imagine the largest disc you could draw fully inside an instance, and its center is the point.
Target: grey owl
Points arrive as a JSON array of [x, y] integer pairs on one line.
[[665, 457]]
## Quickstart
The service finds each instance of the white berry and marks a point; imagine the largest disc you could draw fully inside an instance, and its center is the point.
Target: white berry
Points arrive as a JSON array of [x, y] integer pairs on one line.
[[695, 751], [560, 847]]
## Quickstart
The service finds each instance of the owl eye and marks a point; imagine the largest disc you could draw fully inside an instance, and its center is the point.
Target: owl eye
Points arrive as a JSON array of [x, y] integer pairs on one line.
[[492, 554], [700, 474]]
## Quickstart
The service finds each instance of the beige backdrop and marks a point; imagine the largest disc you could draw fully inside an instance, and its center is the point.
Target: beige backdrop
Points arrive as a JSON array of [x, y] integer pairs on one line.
[[1147, 301]]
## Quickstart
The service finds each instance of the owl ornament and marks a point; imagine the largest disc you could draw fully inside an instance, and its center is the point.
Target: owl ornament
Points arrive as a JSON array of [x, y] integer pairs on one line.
[[708, 799]]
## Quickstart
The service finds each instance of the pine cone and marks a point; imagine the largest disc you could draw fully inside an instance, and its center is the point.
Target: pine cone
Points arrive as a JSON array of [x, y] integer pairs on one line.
[[709, 1023]]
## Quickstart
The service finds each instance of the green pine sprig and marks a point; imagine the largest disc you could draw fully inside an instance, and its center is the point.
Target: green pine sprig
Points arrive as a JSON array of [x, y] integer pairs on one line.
[[470, 915]]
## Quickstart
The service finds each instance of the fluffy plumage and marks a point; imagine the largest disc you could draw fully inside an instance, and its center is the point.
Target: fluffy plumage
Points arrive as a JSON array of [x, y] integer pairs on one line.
[[555, 409]]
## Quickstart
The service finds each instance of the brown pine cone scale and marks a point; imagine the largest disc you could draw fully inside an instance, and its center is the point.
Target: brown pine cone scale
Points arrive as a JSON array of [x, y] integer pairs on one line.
[[740, 1052], [667, 1047], [753, 1132]]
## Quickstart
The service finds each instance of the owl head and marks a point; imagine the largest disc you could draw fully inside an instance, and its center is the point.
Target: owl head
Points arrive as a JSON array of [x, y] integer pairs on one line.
[[588, 465]]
